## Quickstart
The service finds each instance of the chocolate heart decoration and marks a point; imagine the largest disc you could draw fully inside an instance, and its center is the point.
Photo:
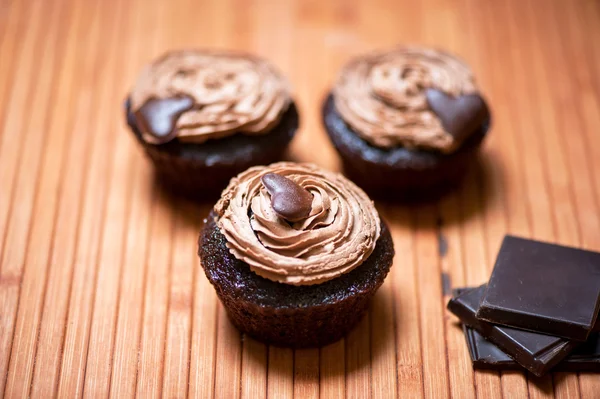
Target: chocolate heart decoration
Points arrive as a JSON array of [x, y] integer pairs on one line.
[[158, 117], [288, 199], [460, 116]]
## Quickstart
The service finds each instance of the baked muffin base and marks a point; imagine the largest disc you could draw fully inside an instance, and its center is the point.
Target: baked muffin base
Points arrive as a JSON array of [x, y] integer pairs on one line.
[[398, 173], [202, 171], [287, 315]]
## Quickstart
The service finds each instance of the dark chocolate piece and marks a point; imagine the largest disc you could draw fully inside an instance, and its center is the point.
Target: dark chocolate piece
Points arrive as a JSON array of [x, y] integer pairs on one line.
[[158, 116], [585, 358], [544, 288], [485, 355], [460, 116], [288, 199], [538, 353]]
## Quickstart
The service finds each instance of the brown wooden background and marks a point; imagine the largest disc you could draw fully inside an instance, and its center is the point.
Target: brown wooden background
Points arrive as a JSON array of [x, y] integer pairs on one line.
[[101, 293]]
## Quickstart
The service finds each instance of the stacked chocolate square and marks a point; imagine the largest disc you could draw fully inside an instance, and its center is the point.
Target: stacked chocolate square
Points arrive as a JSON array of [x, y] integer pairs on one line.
[[538, 311]]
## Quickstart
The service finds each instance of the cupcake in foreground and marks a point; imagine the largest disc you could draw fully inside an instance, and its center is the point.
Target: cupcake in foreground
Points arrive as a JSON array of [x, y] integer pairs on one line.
[[406, 122], [295, 253], [204, 116]]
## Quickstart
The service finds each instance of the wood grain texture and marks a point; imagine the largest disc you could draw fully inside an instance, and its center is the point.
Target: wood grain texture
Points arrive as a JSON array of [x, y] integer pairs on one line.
[[101, 293]]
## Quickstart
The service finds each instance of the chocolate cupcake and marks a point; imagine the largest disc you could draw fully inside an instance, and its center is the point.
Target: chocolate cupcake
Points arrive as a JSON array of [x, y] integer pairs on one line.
[[295, 253], [407, 123], [204, 116]]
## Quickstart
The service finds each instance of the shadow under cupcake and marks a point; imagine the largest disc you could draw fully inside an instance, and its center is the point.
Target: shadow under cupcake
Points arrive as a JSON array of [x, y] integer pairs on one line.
[[295, 254], [408, 123], [204, 116]]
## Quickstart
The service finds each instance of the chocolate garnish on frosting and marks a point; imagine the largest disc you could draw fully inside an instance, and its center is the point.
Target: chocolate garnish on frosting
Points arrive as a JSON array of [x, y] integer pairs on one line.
[[460, 116], [338, 234], [288, 199], [157, 117], [231, 93], [382, 96]]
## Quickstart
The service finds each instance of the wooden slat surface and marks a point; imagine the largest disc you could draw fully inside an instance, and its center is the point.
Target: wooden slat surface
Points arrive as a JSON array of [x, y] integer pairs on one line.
[[101, 293]]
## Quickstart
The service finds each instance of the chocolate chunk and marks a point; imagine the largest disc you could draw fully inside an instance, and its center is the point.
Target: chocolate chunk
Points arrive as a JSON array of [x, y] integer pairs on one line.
[[544, 288], [485, 355], [157, 117], [536, 352], [460, 116], [288, 199]]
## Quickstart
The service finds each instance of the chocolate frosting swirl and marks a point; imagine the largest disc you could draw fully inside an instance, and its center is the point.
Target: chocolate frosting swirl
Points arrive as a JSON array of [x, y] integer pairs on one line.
[[229, 93], [382, 96], [338, 234]]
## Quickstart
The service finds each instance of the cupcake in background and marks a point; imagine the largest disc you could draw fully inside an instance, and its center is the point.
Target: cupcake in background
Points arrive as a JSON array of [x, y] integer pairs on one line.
[[407, 123], [295, 253], [204, 116]]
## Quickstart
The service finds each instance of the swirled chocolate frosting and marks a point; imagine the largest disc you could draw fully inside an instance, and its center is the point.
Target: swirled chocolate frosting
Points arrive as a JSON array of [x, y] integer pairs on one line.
[[199, 95], [336, 235], [411, 97]]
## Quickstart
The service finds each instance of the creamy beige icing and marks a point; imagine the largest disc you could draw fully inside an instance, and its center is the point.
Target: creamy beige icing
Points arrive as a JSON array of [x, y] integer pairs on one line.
[[231, 92], [382, 96], [339, 233]]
